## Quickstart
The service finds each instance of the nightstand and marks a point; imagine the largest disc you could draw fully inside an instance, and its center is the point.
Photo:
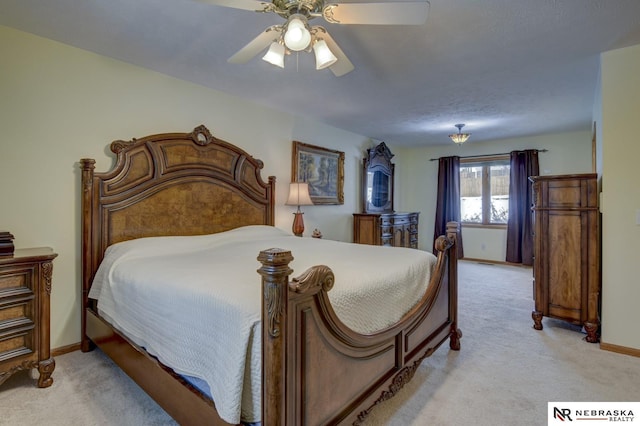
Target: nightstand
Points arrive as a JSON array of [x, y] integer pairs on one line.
[[25, 289]]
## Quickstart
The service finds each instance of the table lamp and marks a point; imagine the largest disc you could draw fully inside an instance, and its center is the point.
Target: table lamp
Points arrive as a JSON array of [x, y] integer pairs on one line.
[[298, 196]]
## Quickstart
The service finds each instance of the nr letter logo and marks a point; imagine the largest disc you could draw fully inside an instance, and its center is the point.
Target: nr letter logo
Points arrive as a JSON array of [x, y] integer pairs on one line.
[[562, 414]]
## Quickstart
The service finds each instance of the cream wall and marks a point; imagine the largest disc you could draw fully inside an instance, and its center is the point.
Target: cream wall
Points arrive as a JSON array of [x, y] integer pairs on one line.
[[568, 153], [59, 104], [620, 202]]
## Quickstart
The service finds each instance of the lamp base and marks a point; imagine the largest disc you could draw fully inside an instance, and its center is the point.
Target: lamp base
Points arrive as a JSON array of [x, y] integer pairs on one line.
[[298, 224]]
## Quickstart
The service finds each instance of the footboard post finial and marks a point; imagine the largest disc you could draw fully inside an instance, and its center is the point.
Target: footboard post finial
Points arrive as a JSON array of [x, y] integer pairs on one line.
[[275, 273]]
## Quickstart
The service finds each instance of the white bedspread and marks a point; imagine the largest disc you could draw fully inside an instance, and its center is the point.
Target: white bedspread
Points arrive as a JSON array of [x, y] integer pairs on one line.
[[195, 302]]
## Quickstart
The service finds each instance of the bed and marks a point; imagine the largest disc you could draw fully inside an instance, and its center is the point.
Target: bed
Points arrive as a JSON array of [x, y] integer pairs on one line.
[[314, 368]]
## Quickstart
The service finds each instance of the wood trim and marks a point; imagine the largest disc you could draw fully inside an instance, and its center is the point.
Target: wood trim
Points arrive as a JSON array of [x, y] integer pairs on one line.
[[476, 225], [619, 349], [65, 349], [562, 177], [485, 158], [494, 262]]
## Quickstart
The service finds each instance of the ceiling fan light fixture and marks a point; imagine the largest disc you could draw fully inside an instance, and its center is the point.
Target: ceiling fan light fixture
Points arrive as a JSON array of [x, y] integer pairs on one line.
[[459, 137], [296, 34], [275, 55], [324, 56], [297, 37]]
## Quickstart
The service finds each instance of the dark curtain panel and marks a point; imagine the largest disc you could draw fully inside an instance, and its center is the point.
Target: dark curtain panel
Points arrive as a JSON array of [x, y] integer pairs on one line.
[[448, 204], [520, 225]]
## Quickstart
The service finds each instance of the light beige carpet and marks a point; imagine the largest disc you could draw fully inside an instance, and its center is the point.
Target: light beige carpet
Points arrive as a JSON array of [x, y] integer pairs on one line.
[[505, 373]]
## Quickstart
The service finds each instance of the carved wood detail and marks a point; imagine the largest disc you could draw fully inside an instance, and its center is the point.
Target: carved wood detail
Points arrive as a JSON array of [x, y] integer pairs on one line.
[[313, 279], [47, 272], [119, 145], [275, 269], [537, 320], [25, 365], [456, 335], [45, 368], [201, 135], [592, 332], [399, 380]]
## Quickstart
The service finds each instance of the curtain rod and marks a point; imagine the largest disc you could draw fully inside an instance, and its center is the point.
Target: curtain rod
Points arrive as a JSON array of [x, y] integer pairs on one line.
[[489, 155]]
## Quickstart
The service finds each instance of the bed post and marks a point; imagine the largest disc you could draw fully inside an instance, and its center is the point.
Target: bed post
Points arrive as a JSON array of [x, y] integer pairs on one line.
[[453, 230], [88, 166], [275, 273]]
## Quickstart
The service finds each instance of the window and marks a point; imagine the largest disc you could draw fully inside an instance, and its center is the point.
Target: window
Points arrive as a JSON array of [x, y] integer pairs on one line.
[[484, 190]]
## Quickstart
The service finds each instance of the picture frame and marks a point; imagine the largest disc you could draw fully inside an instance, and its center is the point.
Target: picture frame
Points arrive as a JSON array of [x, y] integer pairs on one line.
[[322, 169]]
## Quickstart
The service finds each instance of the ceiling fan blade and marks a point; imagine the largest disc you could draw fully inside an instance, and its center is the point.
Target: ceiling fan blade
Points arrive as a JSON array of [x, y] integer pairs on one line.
[[256, 45], [254, 5], [399, 13], [343, 65]]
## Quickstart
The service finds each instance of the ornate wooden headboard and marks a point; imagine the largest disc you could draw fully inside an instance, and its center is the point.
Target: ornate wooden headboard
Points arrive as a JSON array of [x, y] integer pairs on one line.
[[170, 184]]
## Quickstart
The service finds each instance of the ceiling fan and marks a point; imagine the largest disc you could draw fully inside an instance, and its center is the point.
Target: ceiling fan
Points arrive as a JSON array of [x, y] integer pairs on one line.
[[297, 35]]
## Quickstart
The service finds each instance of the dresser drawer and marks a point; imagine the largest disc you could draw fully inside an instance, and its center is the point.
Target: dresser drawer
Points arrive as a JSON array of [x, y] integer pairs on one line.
[[17, 338], [394, 220], [15, 277], [17, 313], [17, 294]]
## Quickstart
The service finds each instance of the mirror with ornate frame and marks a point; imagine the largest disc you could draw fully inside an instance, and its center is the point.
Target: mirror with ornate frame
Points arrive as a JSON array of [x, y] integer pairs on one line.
[[377, 180]]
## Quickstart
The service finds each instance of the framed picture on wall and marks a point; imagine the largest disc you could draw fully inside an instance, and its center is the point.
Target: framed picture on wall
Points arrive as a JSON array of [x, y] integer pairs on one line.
[[322, 169]]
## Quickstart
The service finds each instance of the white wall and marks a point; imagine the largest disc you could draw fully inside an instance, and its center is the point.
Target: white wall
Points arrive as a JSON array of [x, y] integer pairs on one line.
[[59, 104], [620, 202], [568, 153]]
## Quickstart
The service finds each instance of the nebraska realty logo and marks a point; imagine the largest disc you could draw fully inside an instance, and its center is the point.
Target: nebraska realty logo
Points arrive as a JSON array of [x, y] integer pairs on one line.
[[595, 412]]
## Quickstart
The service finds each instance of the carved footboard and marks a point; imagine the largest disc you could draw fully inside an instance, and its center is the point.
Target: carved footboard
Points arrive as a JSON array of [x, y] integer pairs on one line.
[[318, 371]]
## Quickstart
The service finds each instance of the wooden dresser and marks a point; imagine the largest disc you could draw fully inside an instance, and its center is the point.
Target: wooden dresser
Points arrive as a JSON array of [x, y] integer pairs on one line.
[[25, 288], [386, 229], [566, 266]]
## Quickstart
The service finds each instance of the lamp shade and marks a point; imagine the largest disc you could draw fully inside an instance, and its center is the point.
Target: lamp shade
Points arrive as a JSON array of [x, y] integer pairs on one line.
[[297, 36], [459, 137], [275, 55], [324, 56], [299, 194]]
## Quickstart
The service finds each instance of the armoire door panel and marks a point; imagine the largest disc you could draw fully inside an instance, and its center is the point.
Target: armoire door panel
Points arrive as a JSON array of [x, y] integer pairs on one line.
[[565, 270], [564, 195]]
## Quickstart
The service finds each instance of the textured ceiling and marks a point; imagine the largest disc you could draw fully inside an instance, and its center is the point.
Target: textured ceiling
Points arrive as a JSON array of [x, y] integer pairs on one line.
[[505, 68]]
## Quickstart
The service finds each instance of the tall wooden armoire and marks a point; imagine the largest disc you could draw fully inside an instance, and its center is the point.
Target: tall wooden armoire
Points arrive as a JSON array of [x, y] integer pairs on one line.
[[566, 268]]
